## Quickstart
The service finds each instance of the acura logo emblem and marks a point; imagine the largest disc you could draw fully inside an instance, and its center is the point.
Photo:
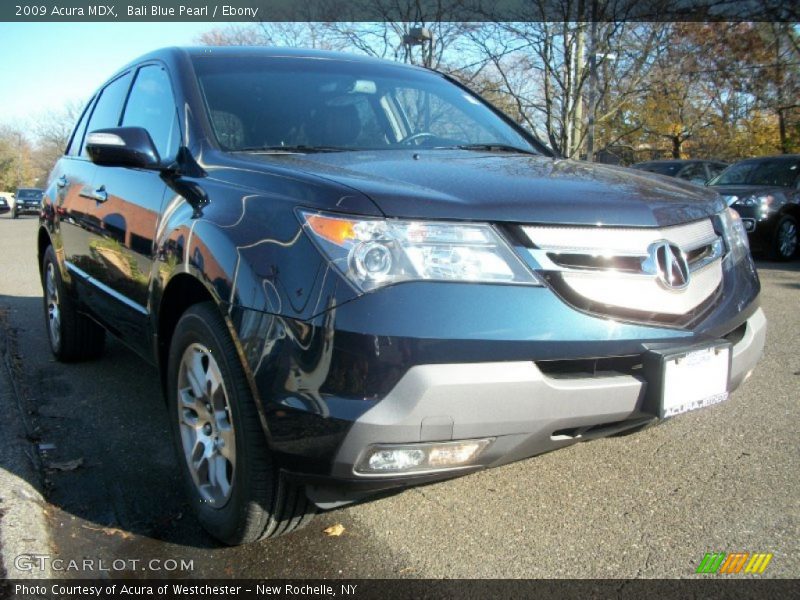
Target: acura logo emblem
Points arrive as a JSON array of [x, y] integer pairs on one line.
[[667, 262]]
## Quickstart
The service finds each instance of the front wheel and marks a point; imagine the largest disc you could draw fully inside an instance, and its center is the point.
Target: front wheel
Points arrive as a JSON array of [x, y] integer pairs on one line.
[[784, 242], [235, 487]]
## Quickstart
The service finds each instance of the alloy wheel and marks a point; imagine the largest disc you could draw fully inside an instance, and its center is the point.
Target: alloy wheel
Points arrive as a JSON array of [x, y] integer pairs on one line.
[[787, 238], [53, 307], [206, 426]]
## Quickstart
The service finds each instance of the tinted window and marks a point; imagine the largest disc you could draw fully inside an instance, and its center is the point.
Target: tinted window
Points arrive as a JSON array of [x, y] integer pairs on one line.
[[447, 117], [80, 129], [778, 172], [694, 172], [151, 105], [108, 109], [276, 102], [29, 194], [716, 168]]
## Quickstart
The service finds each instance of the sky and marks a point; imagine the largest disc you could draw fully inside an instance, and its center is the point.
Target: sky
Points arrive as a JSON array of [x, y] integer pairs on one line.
[[44, 65]]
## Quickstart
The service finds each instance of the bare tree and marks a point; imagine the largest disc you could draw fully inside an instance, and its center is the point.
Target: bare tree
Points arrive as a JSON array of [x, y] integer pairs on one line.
[[52, 130]]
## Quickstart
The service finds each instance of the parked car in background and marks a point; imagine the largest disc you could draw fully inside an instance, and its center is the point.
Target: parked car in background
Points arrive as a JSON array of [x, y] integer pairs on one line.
[[765, 192], [696, 171], [356, 276], [5, 204], [27, 201]]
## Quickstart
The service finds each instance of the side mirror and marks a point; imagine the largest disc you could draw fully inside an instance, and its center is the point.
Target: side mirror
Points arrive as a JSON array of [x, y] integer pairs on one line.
[[123, 147]]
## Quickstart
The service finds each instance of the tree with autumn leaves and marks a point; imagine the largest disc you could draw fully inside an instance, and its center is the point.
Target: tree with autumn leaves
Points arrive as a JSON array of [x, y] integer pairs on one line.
[[722, 90]]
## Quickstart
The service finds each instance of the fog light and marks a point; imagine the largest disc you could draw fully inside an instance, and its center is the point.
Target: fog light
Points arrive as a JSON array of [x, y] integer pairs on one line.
[[411, 458], [399, 459]]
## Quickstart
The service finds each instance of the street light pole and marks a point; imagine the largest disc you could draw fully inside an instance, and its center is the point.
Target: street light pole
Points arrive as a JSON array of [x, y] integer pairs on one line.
[[592, 84], [418, 36]]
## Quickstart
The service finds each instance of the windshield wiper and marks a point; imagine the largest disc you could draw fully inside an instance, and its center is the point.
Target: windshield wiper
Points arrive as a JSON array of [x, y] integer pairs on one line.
[[493, 147], [299, 149]]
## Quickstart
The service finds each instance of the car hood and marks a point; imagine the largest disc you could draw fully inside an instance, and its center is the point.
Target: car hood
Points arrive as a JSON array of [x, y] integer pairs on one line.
[[482, 186]]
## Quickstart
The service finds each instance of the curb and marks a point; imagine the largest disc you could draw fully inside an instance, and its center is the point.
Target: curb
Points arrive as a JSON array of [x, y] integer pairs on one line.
[[23, 522]]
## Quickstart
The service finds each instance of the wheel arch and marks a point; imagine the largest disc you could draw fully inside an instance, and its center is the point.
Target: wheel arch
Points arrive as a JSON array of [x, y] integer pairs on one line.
[[182, 291], [42, 242], [793, 210]]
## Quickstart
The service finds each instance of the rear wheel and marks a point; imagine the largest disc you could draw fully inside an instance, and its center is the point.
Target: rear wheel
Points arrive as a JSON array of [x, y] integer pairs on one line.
[[72, 336], [784, 241], [234, 485]]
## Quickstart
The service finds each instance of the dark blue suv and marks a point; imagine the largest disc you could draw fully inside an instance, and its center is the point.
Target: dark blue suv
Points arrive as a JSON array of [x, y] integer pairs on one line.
[[355, 276], [27, 201]]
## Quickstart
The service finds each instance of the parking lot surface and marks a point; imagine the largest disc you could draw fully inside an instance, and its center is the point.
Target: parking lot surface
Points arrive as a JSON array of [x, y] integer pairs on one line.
[[651, 504]]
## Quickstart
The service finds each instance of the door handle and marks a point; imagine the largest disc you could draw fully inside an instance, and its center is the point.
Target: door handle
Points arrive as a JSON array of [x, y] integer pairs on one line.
[[61, 182], [98, 195]]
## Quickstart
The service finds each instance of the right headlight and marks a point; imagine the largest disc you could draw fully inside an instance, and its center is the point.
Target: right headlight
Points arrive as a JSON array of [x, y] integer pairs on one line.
[[372, 252], [735, 234]]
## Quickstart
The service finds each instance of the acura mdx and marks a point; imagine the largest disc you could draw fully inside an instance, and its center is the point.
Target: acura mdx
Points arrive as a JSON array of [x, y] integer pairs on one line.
[[355, 276]]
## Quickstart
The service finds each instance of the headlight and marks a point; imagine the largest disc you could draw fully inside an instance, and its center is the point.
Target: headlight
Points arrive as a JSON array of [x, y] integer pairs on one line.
[[764, 201], [372, 253], [735, 234]]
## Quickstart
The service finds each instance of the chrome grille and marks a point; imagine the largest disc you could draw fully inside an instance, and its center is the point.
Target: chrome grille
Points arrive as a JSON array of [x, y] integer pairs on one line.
[[616, 241], [613, 266]]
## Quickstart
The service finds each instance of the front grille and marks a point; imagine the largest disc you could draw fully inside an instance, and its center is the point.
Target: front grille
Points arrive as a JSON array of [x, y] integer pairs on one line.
[[617, 271]]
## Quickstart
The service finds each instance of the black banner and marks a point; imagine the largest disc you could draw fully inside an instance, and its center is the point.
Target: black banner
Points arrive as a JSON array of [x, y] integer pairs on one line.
[[711, 588], [399, 10]]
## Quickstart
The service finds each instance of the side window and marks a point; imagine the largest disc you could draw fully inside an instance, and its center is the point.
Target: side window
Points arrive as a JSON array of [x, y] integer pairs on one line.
[[108, 108], [715, 169], [80, 129], [695, 173], [151, 105]]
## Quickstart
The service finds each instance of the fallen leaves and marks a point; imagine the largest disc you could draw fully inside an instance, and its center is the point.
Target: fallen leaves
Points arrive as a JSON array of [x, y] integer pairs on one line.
[[334, 530], [110, 531]]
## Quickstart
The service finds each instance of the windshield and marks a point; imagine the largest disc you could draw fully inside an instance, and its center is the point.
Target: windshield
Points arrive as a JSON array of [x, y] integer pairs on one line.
[[301, 104], [30, 194], [780, 172]]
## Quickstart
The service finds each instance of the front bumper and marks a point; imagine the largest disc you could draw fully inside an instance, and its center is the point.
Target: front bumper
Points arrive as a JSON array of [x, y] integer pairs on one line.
[[527, 410], [29, 209]]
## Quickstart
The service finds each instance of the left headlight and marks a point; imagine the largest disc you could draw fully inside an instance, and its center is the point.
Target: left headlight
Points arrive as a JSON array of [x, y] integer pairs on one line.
[[735, 234], [764, 201], [372, 252]]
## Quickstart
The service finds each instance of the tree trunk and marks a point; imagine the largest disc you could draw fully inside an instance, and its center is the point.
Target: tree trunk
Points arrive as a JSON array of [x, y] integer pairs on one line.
[[677, 142], [782, 131]]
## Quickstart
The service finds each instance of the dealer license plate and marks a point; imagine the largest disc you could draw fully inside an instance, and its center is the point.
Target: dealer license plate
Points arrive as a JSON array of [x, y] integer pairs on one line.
[[695, 380]]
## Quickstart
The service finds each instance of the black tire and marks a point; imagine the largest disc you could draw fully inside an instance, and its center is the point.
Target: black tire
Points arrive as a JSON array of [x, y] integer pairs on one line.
[[261, 501], [72, 336], [784, 244]]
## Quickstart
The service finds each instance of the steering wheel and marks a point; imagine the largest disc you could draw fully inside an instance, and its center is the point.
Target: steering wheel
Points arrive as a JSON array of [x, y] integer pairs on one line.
[[420, 135]]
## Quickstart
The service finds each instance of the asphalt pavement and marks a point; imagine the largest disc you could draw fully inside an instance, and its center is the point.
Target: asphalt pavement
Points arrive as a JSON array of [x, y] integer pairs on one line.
[[88, 465]]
